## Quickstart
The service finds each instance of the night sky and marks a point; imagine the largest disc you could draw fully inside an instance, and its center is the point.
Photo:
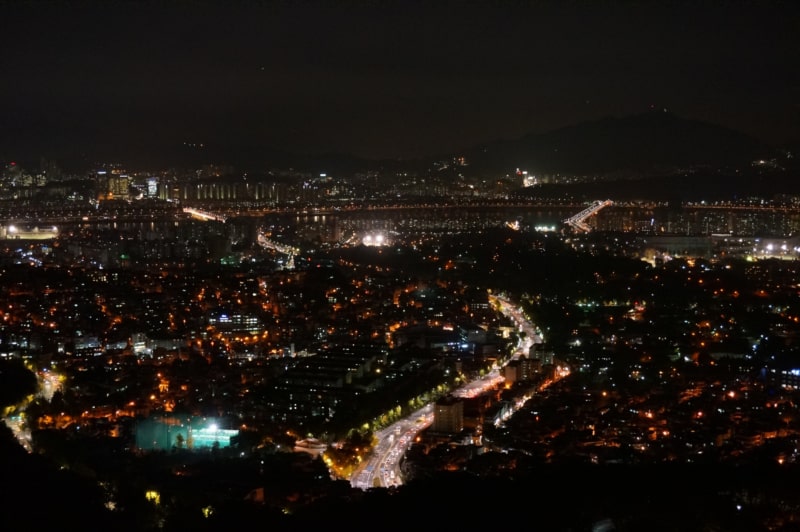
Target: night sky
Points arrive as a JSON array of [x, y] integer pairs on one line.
[[383, 79]]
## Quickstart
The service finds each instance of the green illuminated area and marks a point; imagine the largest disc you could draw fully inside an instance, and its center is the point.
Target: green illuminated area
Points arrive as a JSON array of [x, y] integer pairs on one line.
[[210, 435], [194, 433]]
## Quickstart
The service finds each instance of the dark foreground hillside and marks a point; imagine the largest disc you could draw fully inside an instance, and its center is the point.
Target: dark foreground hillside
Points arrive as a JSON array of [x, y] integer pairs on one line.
[[37, 494]]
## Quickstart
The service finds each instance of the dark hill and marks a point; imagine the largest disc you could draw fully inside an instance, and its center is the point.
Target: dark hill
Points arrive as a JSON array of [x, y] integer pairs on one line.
[[651, 143], [654, 143]]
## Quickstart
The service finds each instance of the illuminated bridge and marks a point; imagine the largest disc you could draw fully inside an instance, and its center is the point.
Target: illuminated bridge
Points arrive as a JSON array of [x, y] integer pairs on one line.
[[266, 243], [578, 221], [204, 215]]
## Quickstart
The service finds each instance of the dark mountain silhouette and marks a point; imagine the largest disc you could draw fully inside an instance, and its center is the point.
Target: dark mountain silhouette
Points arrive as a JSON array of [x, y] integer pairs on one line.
[[656, 142]]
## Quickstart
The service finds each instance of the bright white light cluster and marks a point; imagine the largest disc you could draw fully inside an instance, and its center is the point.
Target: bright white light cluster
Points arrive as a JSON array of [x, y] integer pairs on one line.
[[374, 240]]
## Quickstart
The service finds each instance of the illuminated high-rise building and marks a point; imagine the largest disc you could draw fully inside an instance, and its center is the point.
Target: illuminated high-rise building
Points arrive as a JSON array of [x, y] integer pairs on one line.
[[448, 415]]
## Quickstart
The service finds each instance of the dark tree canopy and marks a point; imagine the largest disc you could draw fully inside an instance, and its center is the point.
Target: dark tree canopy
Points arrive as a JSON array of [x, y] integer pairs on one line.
[[16, 382]]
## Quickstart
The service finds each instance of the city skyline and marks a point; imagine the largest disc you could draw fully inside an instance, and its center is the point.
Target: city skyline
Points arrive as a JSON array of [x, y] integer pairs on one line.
[[306, 264], [382, 79]]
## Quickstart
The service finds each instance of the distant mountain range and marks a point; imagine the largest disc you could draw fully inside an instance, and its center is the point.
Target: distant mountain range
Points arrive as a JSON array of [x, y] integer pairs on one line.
[[656, 142], [646, 145]]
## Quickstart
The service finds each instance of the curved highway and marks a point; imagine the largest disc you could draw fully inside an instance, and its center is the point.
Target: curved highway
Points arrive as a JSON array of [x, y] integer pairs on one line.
[[381, 469]]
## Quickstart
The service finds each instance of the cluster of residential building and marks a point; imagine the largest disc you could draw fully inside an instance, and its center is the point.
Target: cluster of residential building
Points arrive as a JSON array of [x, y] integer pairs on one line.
[[293, 316]]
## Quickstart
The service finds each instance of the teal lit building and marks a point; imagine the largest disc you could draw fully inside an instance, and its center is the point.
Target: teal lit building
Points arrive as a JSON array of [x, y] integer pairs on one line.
[[169, 432]]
